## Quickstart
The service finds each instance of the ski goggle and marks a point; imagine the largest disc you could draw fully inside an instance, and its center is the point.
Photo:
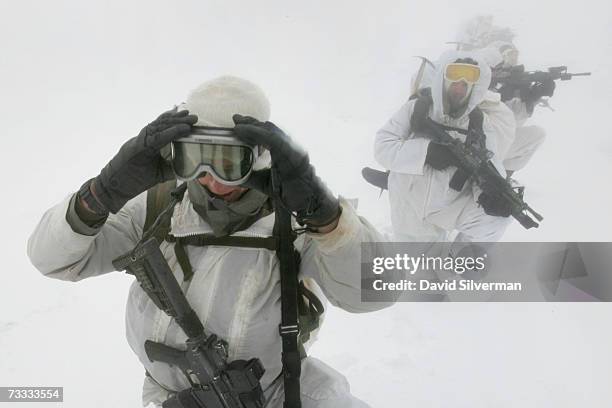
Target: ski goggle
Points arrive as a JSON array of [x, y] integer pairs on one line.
[[213, 150], [457, 71]]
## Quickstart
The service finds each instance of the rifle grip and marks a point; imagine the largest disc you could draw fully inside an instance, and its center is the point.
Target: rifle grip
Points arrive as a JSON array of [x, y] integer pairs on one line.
[[457, 182], [165, 354]]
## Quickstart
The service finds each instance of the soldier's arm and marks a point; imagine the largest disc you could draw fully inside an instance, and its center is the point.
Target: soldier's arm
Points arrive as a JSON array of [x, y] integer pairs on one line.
[[395, 150], [333, 260], [64, 246]]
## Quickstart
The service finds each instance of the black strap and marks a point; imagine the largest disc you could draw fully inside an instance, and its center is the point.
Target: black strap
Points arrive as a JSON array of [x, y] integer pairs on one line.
[[208, 240], [289, 327], [158, 198], [310, 308], [475, 133], [230, 240], [183, 260], [421, 109]]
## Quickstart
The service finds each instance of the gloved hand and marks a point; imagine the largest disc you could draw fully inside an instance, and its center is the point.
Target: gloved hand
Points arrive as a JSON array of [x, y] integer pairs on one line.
[[494, 205], [532, 94], [301, 191], [138, 165], [540, 89], [508, 92], [440, 157]]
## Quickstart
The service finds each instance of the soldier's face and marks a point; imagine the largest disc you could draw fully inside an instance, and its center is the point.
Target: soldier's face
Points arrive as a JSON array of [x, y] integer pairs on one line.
[[457, 94], [227, 193]]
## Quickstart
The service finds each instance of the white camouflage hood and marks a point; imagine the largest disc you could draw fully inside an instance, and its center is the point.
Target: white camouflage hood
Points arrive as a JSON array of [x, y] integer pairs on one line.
[[479, 89]]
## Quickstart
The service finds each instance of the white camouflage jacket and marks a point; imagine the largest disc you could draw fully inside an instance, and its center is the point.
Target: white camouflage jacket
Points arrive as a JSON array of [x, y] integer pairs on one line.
[[234, 291]]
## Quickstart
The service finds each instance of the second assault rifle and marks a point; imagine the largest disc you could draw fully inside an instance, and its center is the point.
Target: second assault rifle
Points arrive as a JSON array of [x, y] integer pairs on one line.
[[476, 165], [215, 382], [508, 81]]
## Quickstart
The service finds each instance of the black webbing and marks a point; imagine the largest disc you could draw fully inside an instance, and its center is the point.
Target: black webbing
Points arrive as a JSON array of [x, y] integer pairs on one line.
[[289, 330], [208, 240], [233, 241]]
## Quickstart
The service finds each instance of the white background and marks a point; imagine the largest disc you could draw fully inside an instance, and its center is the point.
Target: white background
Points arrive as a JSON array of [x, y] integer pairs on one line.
[[79, 78]]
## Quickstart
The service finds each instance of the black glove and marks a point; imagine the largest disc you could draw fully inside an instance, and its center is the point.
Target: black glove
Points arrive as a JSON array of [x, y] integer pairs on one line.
[[301, 191], [532, 94], [138, 165], [540, 89], [494, 205], [440, 157], [507, 92]]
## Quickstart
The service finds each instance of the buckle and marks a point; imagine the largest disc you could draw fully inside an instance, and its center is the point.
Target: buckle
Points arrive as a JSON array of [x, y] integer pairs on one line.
[[289, 329]]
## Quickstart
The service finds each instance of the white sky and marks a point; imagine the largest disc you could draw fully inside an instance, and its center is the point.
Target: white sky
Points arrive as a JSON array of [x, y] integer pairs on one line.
[[79, 78]]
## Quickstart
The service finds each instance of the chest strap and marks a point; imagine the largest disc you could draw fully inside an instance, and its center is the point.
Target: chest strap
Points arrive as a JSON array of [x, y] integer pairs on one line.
[[210, 240]]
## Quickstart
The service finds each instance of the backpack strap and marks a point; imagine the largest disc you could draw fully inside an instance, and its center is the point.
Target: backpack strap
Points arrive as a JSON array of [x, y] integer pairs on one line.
[[421, 109], [158, 198], [209, 239]]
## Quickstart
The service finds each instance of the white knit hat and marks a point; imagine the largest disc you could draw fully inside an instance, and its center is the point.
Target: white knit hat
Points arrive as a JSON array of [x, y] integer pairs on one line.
[[217, 100]]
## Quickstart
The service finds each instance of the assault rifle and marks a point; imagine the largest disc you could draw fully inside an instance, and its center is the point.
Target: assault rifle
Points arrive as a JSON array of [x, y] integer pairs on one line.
[[475, 163], [215, 383], [509, 80]]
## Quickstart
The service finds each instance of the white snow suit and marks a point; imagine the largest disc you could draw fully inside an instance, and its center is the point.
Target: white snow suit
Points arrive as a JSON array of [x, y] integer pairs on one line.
[[235, 291], [423, 206]]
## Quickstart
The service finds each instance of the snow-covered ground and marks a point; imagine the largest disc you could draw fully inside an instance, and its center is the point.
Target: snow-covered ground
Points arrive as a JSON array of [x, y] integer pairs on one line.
[[78, 79]]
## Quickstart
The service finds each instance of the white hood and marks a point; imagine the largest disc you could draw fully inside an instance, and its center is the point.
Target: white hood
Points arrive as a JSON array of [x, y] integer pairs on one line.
[[479, 89]]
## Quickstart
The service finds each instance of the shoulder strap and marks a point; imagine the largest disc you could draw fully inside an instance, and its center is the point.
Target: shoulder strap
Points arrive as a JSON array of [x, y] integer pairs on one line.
[[158, 198], [421, 108], [289, 328], [475, 132]]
